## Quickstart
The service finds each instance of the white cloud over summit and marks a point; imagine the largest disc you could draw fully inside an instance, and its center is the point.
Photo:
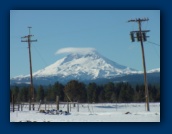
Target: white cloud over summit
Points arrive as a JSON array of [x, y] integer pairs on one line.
[[70, 50]]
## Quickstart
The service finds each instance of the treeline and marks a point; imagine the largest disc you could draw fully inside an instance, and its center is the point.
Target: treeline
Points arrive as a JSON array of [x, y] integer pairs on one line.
[[78, 91]]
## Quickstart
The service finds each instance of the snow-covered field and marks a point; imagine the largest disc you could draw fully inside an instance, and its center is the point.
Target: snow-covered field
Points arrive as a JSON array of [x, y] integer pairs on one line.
[[102, 112]]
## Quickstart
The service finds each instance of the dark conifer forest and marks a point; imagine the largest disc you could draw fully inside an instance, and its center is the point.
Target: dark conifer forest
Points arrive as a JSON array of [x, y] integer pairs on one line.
[[90, 93]]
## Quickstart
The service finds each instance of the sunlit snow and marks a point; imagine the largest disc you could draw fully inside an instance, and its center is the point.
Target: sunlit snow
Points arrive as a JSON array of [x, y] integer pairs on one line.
[[103, 112]]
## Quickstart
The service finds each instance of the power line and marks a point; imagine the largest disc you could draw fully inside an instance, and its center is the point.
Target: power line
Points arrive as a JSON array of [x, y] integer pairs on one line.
[[40, 56], [153, 43], [155, 50]]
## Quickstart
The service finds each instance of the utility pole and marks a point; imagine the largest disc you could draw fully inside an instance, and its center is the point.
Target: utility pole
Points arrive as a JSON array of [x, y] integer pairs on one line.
[[141, 36], [28, 39]]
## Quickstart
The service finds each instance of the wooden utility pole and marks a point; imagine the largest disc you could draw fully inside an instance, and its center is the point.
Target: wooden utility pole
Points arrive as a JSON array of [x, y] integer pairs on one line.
[[141, 36], [28, 39]]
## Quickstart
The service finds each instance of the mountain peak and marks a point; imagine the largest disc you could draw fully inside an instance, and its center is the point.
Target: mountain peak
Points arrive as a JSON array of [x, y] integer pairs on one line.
[[86, 65], [93, 54]]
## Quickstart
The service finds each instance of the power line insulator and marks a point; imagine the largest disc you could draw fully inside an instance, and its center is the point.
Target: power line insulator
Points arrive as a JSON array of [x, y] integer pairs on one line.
[[138, 36], [132, 36], [144, 36]]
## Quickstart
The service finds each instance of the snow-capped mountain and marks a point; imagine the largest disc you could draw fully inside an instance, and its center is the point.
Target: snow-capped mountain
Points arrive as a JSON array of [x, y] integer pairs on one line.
[[79, 66], [84, 66]]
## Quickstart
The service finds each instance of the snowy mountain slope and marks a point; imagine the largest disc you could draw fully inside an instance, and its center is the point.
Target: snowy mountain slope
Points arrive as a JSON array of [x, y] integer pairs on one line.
[[81, 66], [84, 66], [156, 70]]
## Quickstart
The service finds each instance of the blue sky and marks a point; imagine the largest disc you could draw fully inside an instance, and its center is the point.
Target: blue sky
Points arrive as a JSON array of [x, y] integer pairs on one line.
[[105, 30]]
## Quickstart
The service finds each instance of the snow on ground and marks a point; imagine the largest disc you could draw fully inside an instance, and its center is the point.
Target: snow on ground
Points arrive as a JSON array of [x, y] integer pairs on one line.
[[102, 112]]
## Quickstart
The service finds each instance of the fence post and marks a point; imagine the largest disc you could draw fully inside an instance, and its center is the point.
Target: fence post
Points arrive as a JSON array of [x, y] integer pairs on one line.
[[78, 106], [21, 107], [29, 104], [33, 106], [13, 101], [39, 104], [57, 103], [18, 107], [116, 105], [68, 107], [45, 103]]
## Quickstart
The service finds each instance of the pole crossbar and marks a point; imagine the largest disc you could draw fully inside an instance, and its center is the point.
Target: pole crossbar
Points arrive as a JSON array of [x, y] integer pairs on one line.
[[138, 20]]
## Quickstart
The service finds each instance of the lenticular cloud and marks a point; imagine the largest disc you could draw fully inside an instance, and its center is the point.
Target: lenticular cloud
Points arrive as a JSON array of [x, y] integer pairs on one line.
[[70, 50]]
